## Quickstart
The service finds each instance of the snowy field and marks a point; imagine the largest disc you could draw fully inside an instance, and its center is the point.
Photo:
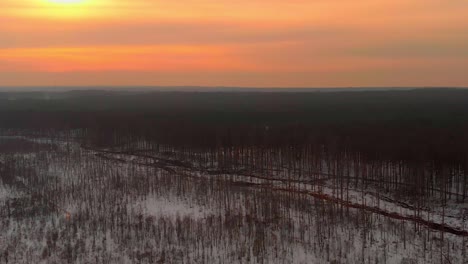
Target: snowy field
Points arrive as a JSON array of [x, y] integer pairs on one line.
[[61, 202]]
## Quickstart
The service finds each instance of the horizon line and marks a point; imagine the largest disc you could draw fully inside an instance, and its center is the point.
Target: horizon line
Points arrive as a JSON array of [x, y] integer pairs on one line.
[[226, 87]]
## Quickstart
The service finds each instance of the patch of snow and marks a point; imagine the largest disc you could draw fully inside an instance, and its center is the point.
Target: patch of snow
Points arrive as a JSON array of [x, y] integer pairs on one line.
[[6, 193], [166, 207]]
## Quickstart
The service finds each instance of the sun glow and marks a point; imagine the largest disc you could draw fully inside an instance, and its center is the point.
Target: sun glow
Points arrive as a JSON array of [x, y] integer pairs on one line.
[[66, 9], [66, 2]]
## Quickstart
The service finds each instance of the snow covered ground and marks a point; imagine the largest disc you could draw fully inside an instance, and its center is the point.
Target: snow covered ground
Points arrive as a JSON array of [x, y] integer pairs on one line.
[[5, 193], [80, 207]]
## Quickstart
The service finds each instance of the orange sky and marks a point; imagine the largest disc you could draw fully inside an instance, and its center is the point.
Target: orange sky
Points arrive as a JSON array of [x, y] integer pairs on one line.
[[275, 43]]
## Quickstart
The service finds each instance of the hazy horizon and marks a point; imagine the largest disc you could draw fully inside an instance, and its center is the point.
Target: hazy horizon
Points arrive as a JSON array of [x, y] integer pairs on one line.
[[188, 88]]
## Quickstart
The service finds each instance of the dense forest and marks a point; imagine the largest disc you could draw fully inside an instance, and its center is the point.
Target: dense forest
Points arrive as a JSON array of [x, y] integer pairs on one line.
[[278, 176]]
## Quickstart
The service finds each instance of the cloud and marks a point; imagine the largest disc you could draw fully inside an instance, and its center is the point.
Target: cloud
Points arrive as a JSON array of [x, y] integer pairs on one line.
[[49, 34]]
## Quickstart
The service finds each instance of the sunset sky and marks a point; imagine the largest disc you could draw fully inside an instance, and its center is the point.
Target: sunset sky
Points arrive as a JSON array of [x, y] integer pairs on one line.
[[256, 43]]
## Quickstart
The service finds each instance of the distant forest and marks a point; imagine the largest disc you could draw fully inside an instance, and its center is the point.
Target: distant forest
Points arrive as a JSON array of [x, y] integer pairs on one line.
[[420, 127], [432, 117]]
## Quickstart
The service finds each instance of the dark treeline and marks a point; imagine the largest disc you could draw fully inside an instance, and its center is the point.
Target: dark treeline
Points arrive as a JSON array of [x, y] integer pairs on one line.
[[414, 138]]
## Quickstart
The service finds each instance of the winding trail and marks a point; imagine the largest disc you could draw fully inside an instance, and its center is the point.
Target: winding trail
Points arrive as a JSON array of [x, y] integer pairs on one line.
[[243, 179]]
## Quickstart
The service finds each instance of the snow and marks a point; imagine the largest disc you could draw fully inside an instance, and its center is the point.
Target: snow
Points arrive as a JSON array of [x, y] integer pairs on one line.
[[219, 218], [5, 193], [172, 208]]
